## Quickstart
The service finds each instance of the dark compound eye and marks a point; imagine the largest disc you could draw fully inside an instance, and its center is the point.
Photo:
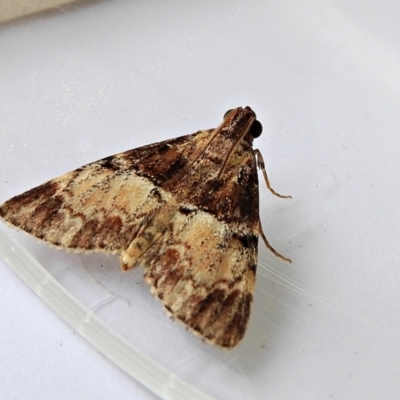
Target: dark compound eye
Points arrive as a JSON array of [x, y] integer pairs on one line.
[[226, 115], [256, 129]]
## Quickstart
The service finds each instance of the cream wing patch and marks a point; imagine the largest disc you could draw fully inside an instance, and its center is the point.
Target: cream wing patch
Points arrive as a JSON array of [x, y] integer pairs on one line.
[[204, 276], [89, 209]]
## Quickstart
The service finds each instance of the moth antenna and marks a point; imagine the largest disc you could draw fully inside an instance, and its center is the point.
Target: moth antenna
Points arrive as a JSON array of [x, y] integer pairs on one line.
[[201, 153], [228, 156]]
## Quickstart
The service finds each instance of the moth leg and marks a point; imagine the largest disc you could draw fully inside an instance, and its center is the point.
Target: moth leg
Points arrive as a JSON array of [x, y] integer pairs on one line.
[[279, 255], [261, 165]]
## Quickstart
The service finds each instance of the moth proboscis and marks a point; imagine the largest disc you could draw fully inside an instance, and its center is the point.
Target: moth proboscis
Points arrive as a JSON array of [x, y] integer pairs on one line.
[[186, 209]]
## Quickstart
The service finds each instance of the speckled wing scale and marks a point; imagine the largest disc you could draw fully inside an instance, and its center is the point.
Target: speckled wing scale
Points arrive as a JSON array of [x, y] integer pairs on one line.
[[185, 209]]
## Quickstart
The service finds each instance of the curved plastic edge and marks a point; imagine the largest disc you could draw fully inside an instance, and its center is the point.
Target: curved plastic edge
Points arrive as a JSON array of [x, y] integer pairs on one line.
[[158, 379]]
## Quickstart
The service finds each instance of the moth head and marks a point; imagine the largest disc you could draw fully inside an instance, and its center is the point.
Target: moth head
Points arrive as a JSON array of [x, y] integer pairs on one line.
[[255, 128], [229, 113]]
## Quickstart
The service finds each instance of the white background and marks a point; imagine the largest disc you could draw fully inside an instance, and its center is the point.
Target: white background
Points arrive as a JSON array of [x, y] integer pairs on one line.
[[84, 82]]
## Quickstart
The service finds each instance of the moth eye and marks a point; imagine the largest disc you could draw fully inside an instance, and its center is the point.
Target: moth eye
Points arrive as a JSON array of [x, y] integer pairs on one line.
[[256, 129], [226, 115]]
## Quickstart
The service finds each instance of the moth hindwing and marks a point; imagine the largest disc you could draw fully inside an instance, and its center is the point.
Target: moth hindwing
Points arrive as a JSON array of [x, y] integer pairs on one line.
[[186, 209]]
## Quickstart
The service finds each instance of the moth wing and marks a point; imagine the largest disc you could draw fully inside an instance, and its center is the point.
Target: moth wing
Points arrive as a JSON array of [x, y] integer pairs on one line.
[[203, 264], [204, 273], [100, 206]]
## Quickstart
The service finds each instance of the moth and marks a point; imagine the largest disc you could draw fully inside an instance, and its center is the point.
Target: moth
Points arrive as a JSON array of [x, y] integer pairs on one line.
[[186, 209]]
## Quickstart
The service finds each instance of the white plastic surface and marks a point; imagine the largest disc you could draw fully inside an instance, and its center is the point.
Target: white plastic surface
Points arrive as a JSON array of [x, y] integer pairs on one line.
[[323, 77], [84, 321]]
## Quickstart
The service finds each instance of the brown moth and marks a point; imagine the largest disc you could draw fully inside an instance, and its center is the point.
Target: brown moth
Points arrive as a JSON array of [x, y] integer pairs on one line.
[[186, 209]]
